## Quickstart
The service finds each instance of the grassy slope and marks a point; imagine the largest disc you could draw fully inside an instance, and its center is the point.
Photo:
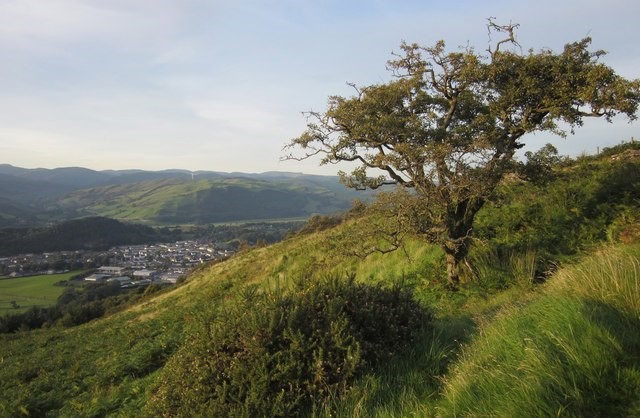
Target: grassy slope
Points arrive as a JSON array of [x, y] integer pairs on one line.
[[104, 367], [208, 200], [543, 351], [134, 201], [574, 351]]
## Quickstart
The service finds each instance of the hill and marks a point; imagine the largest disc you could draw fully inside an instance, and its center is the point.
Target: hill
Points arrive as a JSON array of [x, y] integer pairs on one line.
[[546, 324], [180, 201], [30, 197], [91, 233]]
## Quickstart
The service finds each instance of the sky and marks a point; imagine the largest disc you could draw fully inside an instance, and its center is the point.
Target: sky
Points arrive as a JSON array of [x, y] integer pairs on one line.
[[222, 85]]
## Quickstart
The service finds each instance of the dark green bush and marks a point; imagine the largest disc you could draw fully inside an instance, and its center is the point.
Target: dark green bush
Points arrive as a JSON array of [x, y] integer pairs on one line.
[[277, 354], [319, 223], [580, 208]]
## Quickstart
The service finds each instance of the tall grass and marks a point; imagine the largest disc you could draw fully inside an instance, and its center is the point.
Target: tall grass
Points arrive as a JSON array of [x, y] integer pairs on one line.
[[612, 276], [573, 352], [498, 270]]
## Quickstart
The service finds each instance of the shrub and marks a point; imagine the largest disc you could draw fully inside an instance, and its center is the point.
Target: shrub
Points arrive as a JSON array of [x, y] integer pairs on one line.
[[319, 223], [279, 354]]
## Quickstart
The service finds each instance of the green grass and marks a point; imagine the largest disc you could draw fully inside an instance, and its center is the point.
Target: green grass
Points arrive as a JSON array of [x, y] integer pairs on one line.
[[171, 201], [30, 291], [574, 351], [610, 277], [569, 348], [96, 370]]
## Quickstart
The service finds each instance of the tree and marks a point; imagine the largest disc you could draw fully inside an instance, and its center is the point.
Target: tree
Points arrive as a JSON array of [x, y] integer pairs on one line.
[[539, 165], [448, 124]]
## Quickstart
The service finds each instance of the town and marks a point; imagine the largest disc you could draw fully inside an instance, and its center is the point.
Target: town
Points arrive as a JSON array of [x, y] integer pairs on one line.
[[130, 265]]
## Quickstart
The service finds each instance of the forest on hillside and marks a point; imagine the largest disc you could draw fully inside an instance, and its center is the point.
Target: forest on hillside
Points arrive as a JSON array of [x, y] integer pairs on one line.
[[91, 233]]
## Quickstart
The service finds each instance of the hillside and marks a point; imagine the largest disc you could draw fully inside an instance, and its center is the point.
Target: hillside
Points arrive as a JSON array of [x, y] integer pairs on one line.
[[31, 197], [545, 325], [91, 233], [178, 201]]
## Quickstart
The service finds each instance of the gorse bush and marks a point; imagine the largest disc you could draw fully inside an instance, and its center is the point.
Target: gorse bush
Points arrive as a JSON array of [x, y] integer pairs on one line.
[[588, 203], [280, 354]]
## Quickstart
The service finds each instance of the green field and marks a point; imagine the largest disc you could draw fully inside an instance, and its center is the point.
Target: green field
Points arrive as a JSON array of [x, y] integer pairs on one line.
[[30, 291]]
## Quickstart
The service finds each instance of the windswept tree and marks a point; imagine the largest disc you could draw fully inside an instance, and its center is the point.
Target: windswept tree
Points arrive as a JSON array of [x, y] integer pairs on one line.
[[448, 124]]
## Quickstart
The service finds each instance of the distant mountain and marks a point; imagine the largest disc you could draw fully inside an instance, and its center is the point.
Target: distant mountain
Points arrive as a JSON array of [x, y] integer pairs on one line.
[[39, 196], [80, 178], [15, 214], [74, 177], [27, 190], [178, 201]]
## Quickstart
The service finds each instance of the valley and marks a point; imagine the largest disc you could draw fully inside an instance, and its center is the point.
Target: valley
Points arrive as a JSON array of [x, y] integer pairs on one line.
[[36, 197], [545, 321]]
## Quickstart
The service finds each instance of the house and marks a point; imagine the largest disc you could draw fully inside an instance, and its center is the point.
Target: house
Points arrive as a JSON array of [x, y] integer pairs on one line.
[[123, 280], [112, 271], [170, 277], [140, 283], [144, 274]]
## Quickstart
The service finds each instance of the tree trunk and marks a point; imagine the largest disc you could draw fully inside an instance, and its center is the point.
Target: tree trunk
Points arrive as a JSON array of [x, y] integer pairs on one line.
[[455, 256], [457, 244], [453, 271]]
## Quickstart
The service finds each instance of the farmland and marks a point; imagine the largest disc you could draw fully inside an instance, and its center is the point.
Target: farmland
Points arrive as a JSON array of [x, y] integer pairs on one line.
[[30, 291]]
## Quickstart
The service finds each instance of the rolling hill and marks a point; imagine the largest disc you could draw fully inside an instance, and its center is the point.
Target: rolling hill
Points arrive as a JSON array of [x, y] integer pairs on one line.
[[545, 324], [39, 196]]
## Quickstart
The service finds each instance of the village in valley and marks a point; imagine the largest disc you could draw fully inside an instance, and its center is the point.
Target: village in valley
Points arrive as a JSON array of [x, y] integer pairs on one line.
[[129, 265]]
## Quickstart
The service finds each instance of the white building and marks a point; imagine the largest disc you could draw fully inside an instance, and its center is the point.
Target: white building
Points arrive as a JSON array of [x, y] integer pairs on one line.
[[97, 278], [123, 280], [144, 274], [110, 270]]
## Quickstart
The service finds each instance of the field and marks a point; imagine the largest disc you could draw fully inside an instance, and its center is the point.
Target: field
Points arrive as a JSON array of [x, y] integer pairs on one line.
[[30, 291]]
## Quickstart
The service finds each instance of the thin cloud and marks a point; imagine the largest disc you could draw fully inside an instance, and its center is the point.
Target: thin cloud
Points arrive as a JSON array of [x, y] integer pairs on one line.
[[197, 82], [242, 118]]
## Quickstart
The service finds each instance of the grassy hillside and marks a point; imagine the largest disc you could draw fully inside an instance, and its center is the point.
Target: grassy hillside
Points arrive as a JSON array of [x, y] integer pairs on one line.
[[107, 366], [546, 324], [33, 197], [574, 351], [176, 201], [111, 367]]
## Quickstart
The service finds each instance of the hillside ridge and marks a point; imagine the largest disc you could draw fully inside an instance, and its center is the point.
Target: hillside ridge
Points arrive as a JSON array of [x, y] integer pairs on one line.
[[39, 196]]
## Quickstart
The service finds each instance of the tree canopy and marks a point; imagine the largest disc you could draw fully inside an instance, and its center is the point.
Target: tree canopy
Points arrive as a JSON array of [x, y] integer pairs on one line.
[[449, 123]]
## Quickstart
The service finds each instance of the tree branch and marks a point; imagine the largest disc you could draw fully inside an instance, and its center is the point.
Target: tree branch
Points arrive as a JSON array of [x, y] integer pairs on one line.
[[508, 29]]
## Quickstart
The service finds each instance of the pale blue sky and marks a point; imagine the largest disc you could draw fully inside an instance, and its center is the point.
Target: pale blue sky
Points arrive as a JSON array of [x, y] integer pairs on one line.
[[220, 85]]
